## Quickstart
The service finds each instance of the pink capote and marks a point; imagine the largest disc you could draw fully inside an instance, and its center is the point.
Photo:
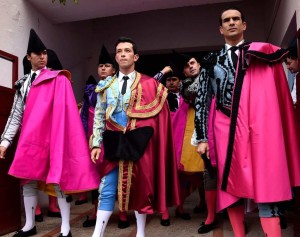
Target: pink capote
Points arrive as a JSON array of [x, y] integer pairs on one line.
[[265, 162], [179, 118], [218, 140], [210, 135], [52, 145]]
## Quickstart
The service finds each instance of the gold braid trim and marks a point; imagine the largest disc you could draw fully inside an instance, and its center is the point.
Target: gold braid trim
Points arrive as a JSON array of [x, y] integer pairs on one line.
[[132, 124], [120, 200], [151, 113], [136, 81], [108, 112], [106, 86], [153, 103], [130, 166], [112, 125], [128, 184], [131, 102], [104, 97], [133, 91]]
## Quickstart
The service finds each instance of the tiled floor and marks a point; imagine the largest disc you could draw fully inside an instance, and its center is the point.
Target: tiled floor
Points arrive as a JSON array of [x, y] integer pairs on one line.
[[178, 227]]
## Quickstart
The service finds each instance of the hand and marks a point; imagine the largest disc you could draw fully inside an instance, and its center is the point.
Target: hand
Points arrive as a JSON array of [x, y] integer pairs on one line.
[[95, 154], [166, 70], [2, 152], [203, 148]]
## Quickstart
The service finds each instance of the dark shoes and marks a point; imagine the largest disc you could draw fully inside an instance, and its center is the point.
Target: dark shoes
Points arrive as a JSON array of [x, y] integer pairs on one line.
[[21, 233], [207, 228], [184, 215], [123, 224], [80, 202], [198, 209], [53, 214], [245, 228], [165, 222], [39, 218], [283, 222], [89, 222], [69, 235]]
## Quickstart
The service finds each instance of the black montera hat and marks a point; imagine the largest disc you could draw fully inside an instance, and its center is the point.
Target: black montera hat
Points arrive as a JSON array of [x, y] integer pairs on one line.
[[91, 80], [293, 50], [175, 71], [104, 57], [35, 44], [180, 60], [26, 65], [53, 61]]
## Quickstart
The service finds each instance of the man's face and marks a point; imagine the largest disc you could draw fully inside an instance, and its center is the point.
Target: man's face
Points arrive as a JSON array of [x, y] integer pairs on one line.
[[192, 68], [232, 27], [38, 60], [125, 56], [292, 65], [172, 83], [105, 70]]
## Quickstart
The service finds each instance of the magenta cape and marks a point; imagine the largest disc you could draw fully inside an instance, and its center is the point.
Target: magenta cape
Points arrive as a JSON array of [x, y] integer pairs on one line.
[[262, 161], [52, 145], [154, 178], [179, 118]]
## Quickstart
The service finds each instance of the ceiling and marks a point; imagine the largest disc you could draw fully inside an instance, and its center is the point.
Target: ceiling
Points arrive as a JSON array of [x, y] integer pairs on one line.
[[92, 9]]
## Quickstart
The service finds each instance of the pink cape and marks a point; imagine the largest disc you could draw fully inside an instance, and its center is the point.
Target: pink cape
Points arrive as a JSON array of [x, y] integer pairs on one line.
[[52, 145], [179, 119], [265, 162]]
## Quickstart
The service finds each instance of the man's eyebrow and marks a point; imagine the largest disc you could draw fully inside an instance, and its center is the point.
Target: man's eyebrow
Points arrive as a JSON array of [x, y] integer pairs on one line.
[[235, 18]]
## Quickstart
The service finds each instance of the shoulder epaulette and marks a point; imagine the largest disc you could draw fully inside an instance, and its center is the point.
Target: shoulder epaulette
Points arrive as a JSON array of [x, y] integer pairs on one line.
[[210, 59], [104, 84], [20, 82]]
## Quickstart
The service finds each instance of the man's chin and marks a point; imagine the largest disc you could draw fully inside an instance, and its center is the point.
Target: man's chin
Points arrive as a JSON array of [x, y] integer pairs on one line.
[[194, 75]]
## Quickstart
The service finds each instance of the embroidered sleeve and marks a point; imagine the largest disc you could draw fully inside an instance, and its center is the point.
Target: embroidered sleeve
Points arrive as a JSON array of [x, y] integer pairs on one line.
[[159, 76], [104, 84], [189, 88], [14, 120], [99, 120], [201, 107]]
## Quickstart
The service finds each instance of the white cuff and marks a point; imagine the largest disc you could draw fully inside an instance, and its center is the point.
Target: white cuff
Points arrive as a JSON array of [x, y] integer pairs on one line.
[[5, 143], [194, 141]]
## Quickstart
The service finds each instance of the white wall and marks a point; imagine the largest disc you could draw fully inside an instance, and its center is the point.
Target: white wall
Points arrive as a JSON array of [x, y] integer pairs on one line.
[[284, 16], [17, 18]]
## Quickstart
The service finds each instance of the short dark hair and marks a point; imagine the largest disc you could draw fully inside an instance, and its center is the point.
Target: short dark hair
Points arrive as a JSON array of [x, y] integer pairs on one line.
[[232, 8], [293, 53], [127, 40]]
